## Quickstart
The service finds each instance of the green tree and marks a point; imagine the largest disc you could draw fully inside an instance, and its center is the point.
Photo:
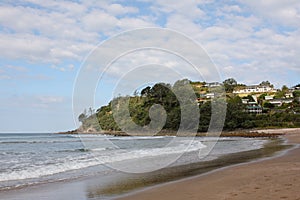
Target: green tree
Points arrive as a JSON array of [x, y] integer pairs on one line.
[[82, 117], [229, 85], [281, 93], [285, 89], [205, 116], [235, 115], [250, 98], [268, 105], [296, 93], [266, 83], [146, 91]]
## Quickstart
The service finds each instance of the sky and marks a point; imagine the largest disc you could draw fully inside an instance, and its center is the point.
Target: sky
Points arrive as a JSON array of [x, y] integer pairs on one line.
[[45, 44]]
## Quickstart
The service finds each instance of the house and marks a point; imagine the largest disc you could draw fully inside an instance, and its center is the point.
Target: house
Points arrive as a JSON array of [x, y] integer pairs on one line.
[[245, 101], [279, 102], [213, 84], [297, 87], [289, 95], [210, 95], [253, 107], [269, 97], [254, 89]]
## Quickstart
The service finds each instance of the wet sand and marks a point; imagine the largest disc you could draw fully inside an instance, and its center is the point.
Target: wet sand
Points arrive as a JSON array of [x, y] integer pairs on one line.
[[275, 178]]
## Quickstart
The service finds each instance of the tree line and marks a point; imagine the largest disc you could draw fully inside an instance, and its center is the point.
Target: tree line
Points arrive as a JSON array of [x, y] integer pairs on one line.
[[172, 97]]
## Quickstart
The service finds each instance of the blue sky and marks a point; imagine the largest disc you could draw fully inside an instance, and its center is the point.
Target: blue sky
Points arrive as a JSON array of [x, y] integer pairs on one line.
[[44, 43]]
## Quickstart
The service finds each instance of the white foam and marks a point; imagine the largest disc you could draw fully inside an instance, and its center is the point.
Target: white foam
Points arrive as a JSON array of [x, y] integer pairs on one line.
[[98, 156], [140, 137]]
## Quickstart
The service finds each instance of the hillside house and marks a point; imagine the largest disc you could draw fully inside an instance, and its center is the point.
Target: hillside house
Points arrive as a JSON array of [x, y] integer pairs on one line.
[[253, 107], [269, 97], [254, 89], [279, 102], [213, 84]]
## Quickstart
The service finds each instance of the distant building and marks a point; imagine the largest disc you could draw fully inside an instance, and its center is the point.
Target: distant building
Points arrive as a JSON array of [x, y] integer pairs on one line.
[[289, 95], [295, 88], [245, 101], [213, 84], [253, 107], [210, 95], [279, 102], [269, 98], [254, 89]]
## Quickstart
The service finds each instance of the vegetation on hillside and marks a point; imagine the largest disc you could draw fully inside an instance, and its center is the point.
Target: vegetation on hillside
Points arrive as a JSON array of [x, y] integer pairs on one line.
[[134, 110]]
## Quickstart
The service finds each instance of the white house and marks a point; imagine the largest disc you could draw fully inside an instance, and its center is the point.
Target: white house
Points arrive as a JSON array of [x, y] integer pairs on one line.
[[269, 97], [279, 102], [254, 89], [213, 84], [210, 95]]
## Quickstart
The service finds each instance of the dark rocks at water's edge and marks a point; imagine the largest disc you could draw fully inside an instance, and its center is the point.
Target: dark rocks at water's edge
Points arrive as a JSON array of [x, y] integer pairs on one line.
[[69, 132], [251, 134], [241, 133], [76, 131]]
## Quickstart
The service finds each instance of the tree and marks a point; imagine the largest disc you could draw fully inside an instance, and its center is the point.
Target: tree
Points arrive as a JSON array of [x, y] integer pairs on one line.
[[281, 93], [205, 116], [229, 84], [261, 98], [146, 91], [266, 83], [135, 93], [268, 105], [285, 89], [235, 115], [91, 111], [160, 90], [250, 98], [296, 93], [82, 117]]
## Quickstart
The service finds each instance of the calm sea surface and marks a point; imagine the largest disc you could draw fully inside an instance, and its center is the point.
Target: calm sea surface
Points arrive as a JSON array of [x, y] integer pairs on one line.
[[28, 159]]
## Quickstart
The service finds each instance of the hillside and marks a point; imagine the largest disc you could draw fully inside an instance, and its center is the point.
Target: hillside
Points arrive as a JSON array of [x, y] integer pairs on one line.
[[262, 107]]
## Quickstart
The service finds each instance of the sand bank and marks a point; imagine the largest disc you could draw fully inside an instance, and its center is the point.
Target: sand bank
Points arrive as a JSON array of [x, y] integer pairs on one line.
[[276, 178]]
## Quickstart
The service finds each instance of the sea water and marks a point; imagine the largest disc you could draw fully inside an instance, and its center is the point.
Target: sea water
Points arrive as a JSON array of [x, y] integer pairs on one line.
[[28, 159]]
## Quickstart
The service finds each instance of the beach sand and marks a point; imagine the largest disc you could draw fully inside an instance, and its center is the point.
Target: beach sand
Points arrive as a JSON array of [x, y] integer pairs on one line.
[[275, 178]]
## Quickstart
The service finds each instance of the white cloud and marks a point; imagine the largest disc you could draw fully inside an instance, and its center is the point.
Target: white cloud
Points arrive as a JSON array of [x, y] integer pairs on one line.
[[69, 67], [282, 12], [118, 9], [231, 8], [99, 21], [183, 24], [41, 49], [50, 99], [54, 31], [133, 23], [233, 34], [188, 8]]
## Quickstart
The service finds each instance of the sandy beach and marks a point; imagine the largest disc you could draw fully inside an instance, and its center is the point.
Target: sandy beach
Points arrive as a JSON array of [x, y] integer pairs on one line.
[[275, 178]]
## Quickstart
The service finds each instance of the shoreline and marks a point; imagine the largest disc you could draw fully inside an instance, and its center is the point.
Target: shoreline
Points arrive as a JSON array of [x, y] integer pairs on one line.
[[83, 188], [275, 177], [252, 133]]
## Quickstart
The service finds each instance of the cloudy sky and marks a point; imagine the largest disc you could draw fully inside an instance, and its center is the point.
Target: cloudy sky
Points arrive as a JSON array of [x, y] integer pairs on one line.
[[43, 45]]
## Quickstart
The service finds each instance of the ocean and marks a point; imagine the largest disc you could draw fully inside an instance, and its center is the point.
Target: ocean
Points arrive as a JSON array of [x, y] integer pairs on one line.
[[31, 159]]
